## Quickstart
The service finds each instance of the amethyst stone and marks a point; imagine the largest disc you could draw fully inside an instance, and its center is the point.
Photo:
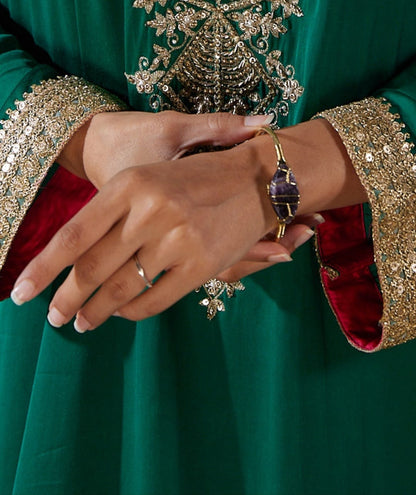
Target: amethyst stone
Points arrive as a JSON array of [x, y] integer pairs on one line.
[[284, 193]]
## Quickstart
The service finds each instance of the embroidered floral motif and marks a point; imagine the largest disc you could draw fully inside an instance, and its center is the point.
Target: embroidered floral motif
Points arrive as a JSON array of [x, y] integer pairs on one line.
[[148, 4], [214, 289], [34, 135], [383, 159], [217, 57]]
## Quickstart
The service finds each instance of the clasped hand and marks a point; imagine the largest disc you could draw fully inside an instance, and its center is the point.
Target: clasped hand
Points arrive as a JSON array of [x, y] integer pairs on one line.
[[190, 219]]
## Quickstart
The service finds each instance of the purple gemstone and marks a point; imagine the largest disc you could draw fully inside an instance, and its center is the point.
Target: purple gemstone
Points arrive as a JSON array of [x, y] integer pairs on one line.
[[284, 193]]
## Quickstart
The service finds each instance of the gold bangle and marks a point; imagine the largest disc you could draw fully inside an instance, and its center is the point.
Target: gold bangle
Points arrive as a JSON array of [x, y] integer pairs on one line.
[[282, 190]]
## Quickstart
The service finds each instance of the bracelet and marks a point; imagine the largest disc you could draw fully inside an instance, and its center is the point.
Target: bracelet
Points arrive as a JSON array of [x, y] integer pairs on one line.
[[283, 189]]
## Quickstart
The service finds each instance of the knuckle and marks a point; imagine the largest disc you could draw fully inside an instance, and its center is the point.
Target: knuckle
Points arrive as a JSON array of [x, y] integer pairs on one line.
[[69, 237], [86, 271], [118, 289], [180, 233]]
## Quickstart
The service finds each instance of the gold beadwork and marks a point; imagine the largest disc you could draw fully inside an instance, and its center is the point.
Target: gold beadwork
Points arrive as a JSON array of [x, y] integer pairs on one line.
[[214, 289], [218, 57], [382, 157], [32, 138]]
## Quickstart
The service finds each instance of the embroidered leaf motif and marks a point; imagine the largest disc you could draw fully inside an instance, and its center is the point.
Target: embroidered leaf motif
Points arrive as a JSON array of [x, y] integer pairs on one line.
[[272, 26], [163, 56], [147, 4], [290, 7], [145, 80], [232, 287], [162, 24], [213, 306]]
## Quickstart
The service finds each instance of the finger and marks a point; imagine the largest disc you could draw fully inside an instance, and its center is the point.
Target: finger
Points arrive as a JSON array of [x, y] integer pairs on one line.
[[169, 288], [297, 235], [121, 288], [216, 129], [243, 269], [278, 252], [312, 220], [68, 244], [117, 291], [88, 273], [264, 249]]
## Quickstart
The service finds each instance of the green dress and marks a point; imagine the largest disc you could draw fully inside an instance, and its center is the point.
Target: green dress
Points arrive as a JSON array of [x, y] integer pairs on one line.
[[268, 398]]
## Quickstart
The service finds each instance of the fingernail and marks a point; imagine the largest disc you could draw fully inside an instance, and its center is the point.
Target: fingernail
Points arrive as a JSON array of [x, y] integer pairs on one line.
[[55, 317], [318, 218], [81, 325], [279, 258], [116, 313], [23, 292], [305, 236], [257, 120]]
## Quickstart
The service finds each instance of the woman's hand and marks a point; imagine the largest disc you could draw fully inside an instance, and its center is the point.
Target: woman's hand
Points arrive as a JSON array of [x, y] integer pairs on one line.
[[188, 220], [111, 142]]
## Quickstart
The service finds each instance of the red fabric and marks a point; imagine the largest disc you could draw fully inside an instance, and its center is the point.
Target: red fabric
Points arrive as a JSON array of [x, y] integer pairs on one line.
[[61, 198], [353, 295], [342, 243]]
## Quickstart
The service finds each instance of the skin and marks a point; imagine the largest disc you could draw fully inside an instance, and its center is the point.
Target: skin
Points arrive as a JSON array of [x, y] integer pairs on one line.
[[191, 218]]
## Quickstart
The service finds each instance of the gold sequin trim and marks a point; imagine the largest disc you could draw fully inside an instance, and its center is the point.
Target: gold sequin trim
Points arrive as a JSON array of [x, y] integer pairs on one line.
[[32, 138], [217, 56], [382, 156]]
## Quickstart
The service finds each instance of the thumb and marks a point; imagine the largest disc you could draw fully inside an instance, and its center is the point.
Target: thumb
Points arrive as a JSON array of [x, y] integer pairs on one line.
[[217, 129]]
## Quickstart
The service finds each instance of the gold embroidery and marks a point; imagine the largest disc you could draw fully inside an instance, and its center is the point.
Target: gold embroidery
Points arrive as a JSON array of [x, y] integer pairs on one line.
[[383, 159], [214, 289], [34, 135], [218, 57]]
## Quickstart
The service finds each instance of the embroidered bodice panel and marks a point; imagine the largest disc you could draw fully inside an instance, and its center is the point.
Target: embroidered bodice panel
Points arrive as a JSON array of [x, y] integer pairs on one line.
[[218, 56]]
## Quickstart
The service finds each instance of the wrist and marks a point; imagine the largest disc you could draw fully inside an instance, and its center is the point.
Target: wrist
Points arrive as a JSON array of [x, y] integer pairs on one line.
[[325, 176], [71, 156]]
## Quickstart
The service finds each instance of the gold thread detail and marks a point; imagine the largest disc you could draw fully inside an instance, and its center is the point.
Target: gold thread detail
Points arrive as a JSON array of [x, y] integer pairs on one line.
[[217, 57], [382, 156], [32, 138], [214, 289]]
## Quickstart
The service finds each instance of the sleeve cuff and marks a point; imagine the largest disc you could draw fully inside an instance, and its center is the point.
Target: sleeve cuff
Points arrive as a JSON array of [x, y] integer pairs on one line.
[[373, 317], [32, 138]]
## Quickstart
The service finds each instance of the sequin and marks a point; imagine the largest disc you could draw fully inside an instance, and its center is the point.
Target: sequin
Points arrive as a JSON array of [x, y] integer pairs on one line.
[[218, 57], [27, 150], [391, 186]]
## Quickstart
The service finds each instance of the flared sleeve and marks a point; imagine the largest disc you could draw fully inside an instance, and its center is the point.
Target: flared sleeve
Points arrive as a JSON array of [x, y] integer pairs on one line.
[[40, 111], [369, 271]]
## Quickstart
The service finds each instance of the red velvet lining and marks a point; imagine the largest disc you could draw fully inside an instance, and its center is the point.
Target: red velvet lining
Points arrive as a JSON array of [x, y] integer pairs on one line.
[[342, 243], [353, 295], [61, 198]]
